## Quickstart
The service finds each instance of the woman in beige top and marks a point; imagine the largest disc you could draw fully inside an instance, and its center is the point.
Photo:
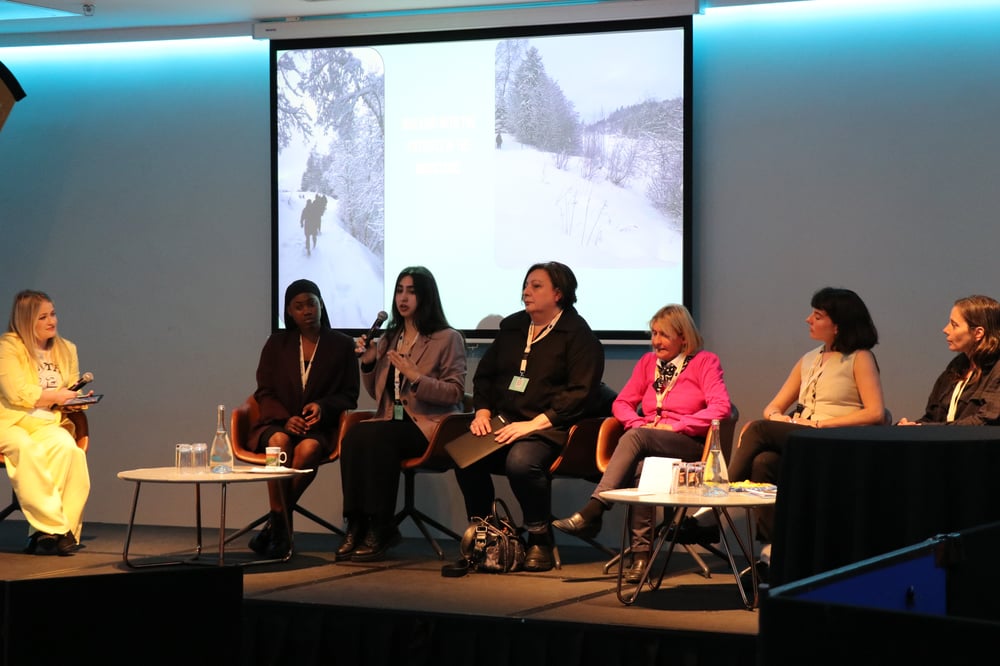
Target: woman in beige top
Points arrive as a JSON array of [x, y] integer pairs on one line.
[[835, 384]]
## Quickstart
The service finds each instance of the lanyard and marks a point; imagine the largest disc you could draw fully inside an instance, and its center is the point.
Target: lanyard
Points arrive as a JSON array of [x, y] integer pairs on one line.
[[532, 339], [955, 395], [663, 381], [815, 372], [402, 349], [303, 369]]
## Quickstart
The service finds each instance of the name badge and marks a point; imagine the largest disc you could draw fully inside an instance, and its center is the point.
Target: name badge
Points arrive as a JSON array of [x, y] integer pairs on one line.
[[397, 412], [518, 384]]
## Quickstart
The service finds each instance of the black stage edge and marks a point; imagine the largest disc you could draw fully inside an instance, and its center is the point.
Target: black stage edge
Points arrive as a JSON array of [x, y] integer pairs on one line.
[[303, 634], [164, 616], [91, 608]]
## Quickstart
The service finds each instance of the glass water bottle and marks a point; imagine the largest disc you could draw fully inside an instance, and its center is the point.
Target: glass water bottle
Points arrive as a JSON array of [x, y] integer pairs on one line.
[[716, 473], [221, 455]]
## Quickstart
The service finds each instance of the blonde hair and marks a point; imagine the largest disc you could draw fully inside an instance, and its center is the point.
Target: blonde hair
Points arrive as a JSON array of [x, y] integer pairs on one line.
[[679, 319], [24, 314]]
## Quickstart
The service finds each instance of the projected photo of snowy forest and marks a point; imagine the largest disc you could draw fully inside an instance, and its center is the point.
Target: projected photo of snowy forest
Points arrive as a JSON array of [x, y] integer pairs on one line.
[[597, 171], [331, 221], [477, 159]]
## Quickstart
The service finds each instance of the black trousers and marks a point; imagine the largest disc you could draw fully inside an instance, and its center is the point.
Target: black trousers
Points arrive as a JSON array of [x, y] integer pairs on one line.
[[369, 466], [758, 458]]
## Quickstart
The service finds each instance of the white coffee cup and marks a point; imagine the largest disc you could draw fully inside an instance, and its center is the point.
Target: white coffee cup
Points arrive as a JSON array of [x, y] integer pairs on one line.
[[274, 456]]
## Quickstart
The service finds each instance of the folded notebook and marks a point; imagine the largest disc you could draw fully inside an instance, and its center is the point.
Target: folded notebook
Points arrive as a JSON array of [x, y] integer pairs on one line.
[[468, 448]]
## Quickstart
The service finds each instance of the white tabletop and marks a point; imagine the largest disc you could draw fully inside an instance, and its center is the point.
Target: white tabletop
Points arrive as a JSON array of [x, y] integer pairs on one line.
[[238, 475], [732, 499]]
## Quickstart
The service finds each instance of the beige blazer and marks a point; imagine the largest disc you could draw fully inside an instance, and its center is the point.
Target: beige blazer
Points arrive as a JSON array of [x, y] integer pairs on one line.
[[440, 357]]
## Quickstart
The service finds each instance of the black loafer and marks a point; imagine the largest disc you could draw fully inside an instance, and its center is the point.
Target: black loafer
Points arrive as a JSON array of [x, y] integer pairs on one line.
[[578, 526], [539, 558], [634, 573], [42, 543], [66, 544], [376, 544]]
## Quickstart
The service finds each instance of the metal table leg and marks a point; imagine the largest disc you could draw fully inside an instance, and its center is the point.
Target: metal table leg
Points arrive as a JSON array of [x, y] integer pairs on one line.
[[744, 549], [128, 538], [658, 541], [194, 559]]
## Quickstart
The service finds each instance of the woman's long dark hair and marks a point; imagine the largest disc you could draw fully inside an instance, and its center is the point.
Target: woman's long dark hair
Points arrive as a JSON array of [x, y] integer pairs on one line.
[[429, 316], [855, 328]]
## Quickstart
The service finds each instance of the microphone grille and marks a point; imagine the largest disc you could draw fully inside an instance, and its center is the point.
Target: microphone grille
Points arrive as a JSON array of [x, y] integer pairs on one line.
[[87, 377], [381, 316]]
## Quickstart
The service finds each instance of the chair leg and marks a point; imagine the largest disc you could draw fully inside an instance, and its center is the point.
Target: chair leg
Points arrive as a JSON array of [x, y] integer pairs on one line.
[[319, 521], [249, 526], [410, 510], [12, 507], [705, 571], [614, 560], [302, 510]]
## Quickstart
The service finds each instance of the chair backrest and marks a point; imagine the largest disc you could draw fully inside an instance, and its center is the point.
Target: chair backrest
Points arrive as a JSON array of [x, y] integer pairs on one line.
[[434, 457], [81, 427], [246, 414], [613, 430], [241, 419], [579, 458]]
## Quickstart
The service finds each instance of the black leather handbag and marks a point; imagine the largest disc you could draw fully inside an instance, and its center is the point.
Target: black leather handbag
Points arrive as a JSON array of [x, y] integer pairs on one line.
[[494, 544]]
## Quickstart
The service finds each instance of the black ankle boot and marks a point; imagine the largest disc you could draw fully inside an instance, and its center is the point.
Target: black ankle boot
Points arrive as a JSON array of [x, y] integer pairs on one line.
[[539, 556], [279, 545], [354, 537], [260, 542], [379, 538]]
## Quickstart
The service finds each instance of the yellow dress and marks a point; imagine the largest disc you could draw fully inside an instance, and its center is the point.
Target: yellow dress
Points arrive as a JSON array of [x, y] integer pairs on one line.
[[47, 470]]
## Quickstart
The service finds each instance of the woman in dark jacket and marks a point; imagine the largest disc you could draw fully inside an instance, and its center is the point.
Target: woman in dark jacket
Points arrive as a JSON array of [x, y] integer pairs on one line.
[[968, 391], [307, 376], [542, 373]]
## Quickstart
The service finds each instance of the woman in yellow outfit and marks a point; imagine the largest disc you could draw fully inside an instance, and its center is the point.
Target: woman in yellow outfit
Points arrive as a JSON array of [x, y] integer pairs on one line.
[[46, 468]]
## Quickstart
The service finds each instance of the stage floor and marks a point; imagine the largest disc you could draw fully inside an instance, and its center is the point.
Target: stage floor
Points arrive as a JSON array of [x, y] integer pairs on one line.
[[410, 581]]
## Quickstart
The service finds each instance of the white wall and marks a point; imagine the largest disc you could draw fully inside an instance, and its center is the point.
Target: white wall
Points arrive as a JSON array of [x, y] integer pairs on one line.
[[856, 148]]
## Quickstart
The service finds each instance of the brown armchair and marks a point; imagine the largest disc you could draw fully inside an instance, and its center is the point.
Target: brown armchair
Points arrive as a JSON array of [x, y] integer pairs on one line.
[[434, 459], [241, 419], [581, 459]]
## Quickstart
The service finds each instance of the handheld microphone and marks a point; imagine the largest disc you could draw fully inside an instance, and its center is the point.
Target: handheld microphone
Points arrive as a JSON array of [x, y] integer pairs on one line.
[[83, 381], [376, 325]]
